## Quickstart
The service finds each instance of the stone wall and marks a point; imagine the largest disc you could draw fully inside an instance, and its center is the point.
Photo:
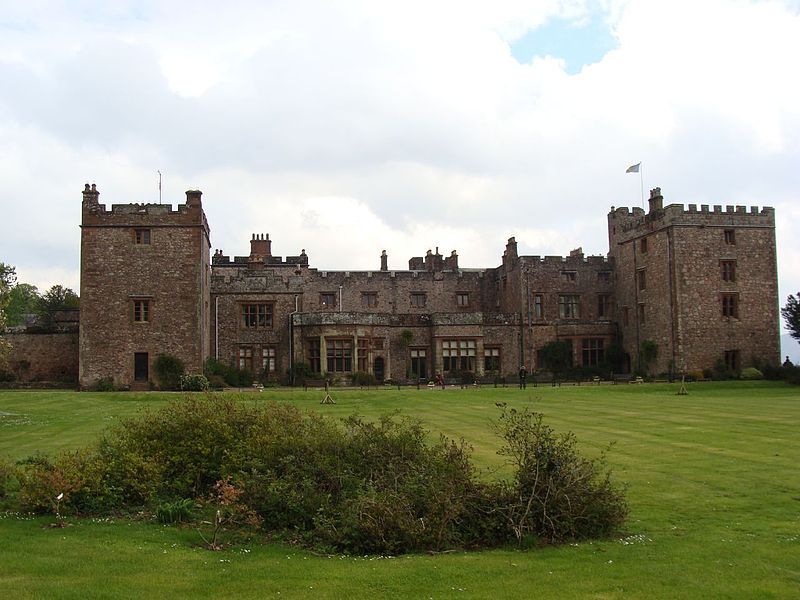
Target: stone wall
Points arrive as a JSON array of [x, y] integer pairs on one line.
[[44, 357]]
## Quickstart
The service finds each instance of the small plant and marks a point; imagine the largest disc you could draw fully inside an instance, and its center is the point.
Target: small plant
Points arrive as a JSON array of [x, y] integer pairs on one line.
[[57, 510], [104, 384], [194, 383], [229, 509], [179, 511], [751, 373]]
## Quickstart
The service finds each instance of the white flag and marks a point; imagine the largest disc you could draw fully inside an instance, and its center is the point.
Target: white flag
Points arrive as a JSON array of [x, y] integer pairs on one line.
[[634, 168]]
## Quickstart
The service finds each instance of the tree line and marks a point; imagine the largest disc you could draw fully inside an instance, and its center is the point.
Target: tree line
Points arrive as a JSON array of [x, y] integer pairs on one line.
[[19, 301]]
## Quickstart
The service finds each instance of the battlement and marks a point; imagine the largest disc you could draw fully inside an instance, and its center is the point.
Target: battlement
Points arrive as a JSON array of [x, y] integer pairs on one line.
[[625, 223], [142, 214], [561, 261]]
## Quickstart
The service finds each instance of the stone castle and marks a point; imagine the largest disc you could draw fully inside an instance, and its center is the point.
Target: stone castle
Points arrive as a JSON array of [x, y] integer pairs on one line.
[[698, 285]]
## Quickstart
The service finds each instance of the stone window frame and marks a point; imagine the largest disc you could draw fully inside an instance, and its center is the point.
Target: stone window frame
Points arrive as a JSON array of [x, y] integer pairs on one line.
[[729, 237], [605, 307], [643, 245], [269, 359], [245, 358], [462, 299], [362, 355], [459, 354], [625, 315], [418, 354], [369, 299], [641, 279], [142, 236], [730, 304], [727, 269], [257, 315], [492, 358], [327, 300], [313, 354], [141, 310], [339, 354], [538, 306], [569, 306], [593, 351], [419, 299], [603, 276], [642, 313]]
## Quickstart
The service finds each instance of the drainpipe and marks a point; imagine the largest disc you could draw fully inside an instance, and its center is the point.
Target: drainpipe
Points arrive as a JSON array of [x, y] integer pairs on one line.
[[291, 337], [216, 328]]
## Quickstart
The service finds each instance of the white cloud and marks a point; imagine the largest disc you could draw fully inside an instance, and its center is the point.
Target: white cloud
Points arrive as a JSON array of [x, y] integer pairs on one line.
[[401, 126]]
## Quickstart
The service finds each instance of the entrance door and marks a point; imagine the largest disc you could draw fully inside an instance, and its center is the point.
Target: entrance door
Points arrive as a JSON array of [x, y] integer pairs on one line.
[[141, 366], [377, 368]]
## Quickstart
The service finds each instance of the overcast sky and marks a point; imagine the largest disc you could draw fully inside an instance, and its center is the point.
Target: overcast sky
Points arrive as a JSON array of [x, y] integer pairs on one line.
[[347, 127]]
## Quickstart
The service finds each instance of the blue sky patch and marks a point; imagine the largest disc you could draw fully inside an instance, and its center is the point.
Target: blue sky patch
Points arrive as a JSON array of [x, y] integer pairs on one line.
[[578, 44]]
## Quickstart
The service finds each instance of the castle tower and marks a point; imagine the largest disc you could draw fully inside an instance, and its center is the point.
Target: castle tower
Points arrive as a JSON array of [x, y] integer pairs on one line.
[[701, 285], [145, 282]]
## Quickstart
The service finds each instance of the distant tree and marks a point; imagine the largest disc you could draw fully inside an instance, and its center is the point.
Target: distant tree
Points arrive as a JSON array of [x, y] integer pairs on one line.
[[557, 357], [8, 277], [791, 315], [23, 299], [56, 298]]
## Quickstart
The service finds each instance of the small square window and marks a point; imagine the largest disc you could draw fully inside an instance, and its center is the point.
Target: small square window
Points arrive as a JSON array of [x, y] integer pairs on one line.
[[327, 300], [369, 299], [603, 277], [730, 237], [418, 299], [141, 236], [462, 299]]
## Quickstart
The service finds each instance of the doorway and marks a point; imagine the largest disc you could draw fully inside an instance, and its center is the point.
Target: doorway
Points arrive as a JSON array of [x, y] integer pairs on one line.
[[141, 366], [377, 368]]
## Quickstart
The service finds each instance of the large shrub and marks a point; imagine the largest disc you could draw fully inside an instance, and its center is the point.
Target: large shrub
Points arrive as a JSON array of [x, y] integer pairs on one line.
[[352, 485], [169, 370]]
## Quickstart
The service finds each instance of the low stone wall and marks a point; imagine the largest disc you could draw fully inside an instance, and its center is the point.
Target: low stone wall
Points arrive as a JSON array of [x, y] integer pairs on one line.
[[43, 357]]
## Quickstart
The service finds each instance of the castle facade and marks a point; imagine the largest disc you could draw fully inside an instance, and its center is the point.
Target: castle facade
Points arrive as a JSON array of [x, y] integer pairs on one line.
[[698, 285]]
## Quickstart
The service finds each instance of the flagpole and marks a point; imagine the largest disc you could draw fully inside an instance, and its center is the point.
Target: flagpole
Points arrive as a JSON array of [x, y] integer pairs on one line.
[[641, 183]]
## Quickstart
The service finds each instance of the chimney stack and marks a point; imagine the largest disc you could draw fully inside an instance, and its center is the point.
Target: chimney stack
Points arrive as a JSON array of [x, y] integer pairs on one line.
[[90, 194], [193, 198], [656, 199], [260, 246], [384, 261]]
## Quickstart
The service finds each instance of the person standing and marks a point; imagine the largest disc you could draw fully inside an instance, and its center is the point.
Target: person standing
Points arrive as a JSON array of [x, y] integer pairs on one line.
[[523, 375]]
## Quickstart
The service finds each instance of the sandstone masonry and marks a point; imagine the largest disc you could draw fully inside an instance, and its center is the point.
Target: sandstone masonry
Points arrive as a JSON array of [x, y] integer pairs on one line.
[[700, 284]]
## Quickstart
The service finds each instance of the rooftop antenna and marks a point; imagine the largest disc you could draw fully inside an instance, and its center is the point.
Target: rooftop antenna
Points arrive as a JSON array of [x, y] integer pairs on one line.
[[159, 187]]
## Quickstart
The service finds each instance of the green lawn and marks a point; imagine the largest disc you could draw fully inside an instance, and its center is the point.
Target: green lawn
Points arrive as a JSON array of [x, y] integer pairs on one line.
[[714, 490]]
